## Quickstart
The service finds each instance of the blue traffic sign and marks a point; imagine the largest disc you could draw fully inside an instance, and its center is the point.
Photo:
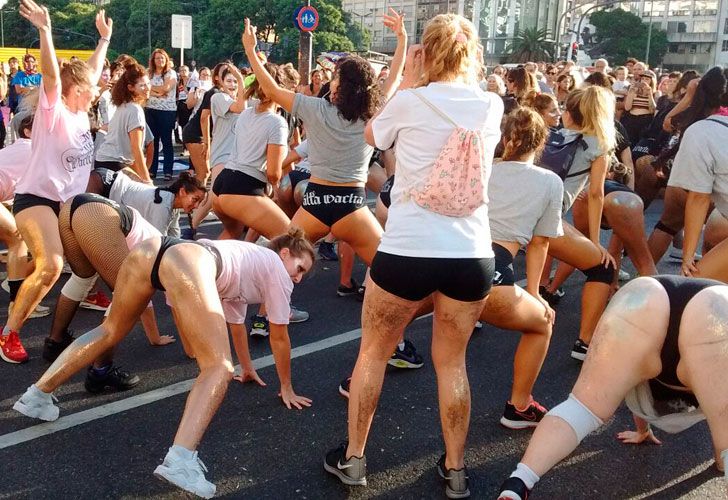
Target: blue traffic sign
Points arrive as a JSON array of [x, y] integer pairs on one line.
[[307, 18]]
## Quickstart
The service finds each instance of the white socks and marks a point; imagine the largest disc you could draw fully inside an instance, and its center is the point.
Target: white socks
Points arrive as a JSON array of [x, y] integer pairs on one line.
[[183, 452], [525, 474], [34, 391]]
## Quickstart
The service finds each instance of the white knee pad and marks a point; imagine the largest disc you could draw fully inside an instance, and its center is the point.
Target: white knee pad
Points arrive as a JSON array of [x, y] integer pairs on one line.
[[76, 288], [579, 417]]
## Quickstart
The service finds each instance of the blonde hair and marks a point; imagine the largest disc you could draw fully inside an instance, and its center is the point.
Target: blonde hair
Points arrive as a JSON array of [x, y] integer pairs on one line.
[[451, 49], [74, 72], [592, 109]]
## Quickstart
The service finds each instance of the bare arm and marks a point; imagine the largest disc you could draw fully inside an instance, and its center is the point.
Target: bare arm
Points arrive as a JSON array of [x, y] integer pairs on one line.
[[39, 17], [291, 158], [240, 102], [395, 22], [205, 127], [275, 154], [681, 106], [536, 252], [104, 26], [167, 85], [626, 158], [280, 344], [696, 210], [136, 139], [283, 97]]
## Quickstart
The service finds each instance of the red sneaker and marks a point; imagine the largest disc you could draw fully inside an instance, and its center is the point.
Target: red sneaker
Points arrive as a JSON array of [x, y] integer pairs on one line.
[[96, 301], [11, 350]]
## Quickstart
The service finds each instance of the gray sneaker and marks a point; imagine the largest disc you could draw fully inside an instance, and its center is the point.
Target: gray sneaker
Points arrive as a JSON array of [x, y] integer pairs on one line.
[[351, 472], [298, 316], [456, 480], [187, 474], [37, 404]]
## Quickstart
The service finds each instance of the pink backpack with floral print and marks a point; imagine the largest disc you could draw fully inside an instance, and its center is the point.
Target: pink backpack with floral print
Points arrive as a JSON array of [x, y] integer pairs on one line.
[[455, 186]]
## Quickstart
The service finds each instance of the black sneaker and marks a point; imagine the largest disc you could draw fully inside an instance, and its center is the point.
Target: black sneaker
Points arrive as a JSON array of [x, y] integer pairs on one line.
[[344, 387], [513, 488], [360, 293], [579, 350], [456, 480], [259, 326], [327, 251], [345, 291], [407, 357], [554, 298], [53, 349], [114, 378], [352, 471], [517, 419]]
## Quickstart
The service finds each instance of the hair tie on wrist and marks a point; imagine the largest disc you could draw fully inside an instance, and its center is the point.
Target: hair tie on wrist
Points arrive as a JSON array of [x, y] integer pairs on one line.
[[103, 38]]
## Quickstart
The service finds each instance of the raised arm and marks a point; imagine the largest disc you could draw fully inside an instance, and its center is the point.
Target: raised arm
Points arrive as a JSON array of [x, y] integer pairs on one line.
[[104, 25], [39, 17], [395, 22], [240, 102], [283, 97]]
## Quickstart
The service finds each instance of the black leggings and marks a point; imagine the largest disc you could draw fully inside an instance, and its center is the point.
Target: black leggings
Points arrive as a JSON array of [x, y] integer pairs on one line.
[[414, 278]]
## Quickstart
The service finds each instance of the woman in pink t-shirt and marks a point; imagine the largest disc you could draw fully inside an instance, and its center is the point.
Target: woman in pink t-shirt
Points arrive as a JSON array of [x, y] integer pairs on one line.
[[60, 162], [208, 283]]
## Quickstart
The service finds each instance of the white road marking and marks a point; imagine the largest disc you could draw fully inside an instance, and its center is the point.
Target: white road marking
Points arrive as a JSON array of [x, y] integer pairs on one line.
[[106, 410]]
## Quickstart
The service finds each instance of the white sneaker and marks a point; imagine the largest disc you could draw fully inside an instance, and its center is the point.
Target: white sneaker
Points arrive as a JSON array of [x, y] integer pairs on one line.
[[624, 275], [188, 474], [37, 404], [5, 285], [40, 311]]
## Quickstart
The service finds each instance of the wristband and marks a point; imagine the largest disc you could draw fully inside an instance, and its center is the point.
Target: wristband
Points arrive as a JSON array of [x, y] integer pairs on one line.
[[104, 39]]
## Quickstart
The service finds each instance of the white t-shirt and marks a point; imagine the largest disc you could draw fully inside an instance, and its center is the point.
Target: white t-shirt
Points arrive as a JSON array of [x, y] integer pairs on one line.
[[252, 274], [253, 133], [620, 86], [302, 150], [169, 101], [62, 153], [13, 163], [418, 134], [701, 163]]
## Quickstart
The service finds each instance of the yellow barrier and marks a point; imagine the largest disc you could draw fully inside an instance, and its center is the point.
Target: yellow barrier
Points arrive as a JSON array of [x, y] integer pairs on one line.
[[8, 52]]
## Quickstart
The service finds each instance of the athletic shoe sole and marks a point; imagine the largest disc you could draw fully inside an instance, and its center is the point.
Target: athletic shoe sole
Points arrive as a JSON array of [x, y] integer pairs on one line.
[[452, 493], [581, 356], [343, 477], [344, 393], [402, 363], [517, 425], [92, 307], [299, 319], [509, 495], [13, 361], [48, 414], [259, 333], [163, 473]]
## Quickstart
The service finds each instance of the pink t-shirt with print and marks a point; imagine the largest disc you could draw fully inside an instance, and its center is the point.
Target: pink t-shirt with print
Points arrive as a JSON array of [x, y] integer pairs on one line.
[[252, 274], [62, 153], [13, 164]]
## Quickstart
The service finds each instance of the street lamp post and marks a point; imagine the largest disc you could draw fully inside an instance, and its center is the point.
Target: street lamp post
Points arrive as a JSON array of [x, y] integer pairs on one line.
[[649, 34], [361, 21], [149, 26]]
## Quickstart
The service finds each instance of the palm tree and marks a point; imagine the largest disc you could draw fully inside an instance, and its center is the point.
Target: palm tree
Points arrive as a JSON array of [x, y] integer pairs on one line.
[[531, 44]]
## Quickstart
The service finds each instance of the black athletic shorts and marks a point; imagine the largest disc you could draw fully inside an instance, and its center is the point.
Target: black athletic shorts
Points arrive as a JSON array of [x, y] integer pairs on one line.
[[414, 278], [504, 274], [385, 194], [235, 182], [23, 201], [167, 243], [297, 176], [126, 216], [680, 290], [330, 204], [109, 165], [611, 186], [107, 177]]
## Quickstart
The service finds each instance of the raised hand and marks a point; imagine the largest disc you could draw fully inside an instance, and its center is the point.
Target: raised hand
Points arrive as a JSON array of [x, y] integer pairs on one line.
[[36, 14], [104, 24], [250, 36], [395, 22]]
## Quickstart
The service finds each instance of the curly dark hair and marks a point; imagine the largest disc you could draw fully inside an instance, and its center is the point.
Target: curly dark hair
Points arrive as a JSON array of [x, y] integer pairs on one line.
[[357, 96], [712, 93], [120, 92]]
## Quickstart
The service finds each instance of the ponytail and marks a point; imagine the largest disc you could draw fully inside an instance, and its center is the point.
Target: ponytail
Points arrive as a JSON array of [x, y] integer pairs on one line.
[[187, 180], [295, 241], [592, 110]]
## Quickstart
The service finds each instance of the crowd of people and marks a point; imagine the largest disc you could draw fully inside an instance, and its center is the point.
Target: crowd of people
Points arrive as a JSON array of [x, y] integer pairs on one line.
[[488, 163]]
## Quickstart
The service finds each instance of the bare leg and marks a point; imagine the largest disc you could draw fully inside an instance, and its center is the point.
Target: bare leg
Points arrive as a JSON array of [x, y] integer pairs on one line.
[[452, 326], [646, 183], [512, 308], [714, 264], [384, 318], [624, 213], [17, 251], [361, 230], [716, 230], [346, 263], [257, 212], [625, 352], [703, 343], [673, 215], [201, 212]]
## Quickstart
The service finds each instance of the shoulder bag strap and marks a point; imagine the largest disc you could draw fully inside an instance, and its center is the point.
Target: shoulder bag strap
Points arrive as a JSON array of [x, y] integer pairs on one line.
[[435, 109]]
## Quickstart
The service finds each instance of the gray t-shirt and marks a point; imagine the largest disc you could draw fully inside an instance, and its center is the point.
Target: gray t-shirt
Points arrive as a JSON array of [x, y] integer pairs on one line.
[[116, 145], [582, 161], [524, 201], [253, 133], [162, 216], [223, 128], [701, 163], [338, 150]]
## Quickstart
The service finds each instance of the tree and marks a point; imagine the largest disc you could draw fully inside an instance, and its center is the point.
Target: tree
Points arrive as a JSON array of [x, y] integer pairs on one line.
[[622, 34], [530, 44]]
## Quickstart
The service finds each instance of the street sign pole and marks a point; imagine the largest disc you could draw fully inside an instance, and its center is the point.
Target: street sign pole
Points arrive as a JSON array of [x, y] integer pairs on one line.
[[306, 19], [181, 34]]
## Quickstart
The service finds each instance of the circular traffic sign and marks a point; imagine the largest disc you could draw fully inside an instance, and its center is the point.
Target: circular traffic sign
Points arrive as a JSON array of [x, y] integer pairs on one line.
[[307, 18]]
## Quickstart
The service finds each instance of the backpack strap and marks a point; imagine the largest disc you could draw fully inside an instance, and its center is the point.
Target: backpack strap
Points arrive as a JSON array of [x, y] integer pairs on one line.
[[716, 121], [585, 146], [435, 109]]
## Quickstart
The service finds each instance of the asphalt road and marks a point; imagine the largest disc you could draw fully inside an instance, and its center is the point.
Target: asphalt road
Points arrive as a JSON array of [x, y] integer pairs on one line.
[[107, 446]]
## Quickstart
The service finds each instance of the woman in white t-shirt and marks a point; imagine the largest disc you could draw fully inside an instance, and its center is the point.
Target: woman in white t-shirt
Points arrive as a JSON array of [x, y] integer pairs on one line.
[[208, 284], [424, 254], [260, 144], [124, 143], [161, 109], [59, 165]]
